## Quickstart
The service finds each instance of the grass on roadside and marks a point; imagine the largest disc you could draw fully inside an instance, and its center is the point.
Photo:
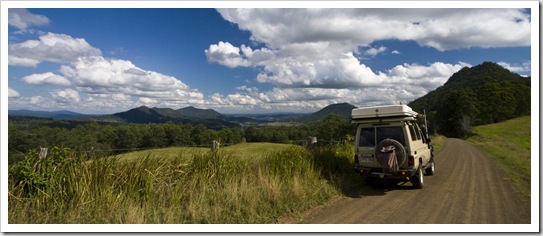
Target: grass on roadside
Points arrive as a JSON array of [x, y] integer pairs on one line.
[[249, 183], [509, 144]]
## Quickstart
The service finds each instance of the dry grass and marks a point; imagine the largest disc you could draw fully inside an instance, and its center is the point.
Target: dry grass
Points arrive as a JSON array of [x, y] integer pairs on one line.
[[208, 187]]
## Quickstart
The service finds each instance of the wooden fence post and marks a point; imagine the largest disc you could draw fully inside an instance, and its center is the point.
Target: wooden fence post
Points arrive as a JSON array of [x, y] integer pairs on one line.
[[43, 155], [312, 142]]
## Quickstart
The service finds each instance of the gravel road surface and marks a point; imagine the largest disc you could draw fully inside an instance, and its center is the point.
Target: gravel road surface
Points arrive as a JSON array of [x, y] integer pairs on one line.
[[468, 188]]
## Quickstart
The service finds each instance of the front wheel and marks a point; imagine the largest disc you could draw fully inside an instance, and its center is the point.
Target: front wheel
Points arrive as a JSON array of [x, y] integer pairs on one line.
[[418, 179]]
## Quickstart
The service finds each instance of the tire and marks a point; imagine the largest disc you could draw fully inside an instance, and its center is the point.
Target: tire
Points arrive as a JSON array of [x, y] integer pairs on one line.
[[418, 179], [369, 180], [399, 151], [431, 168]]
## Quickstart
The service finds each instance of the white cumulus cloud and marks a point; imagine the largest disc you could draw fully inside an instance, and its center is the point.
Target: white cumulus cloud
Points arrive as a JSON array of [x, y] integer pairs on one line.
[[375, 51], [51, 47], [46, 78], [310, 54], [23, 19], [225, 54], [440, 28], [65, 96], [99, 75], [13, 93]]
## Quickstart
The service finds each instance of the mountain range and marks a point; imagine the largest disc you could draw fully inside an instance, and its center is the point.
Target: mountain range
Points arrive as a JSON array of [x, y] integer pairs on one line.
[[191, 115]]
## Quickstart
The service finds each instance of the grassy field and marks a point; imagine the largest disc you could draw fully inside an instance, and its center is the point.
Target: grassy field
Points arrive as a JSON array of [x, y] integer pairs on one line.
[[509, 144], [245, 183], [239, 150]]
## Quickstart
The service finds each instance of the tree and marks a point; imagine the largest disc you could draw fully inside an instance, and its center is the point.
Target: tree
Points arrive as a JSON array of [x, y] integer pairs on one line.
[[457, 113], [333, 128], [125, 138], [497, 102]]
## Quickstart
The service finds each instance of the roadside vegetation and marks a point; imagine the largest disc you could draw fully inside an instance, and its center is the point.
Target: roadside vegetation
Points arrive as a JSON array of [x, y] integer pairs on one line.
[[508, 143], [233, 185]]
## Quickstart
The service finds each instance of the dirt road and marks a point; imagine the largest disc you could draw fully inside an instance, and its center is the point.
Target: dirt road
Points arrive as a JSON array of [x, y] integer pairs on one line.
[[467, 188]]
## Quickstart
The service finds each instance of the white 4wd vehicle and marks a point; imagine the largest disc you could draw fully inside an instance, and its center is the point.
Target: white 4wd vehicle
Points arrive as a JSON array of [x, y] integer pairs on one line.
[[390, 144]]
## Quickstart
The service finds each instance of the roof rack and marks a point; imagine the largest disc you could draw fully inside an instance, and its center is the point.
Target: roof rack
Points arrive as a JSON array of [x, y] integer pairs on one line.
[[382, 113]]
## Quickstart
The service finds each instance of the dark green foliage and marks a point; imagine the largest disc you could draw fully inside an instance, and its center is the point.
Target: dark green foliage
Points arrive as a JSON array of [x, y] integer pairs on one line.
[[483, 94], [96, 139], [33, 174], [188, 115]]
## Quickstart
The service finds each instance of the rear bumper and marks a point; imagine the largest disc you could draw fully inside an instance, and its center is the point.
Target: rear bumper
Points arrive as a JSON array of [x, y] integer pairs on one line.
[[378, 173]]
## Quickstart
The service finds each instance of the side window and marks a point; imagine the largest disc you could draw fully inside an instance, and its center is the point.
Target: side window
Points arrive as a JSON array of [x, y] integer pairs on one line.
[[367, 137], [414, 134], [419, 131], [392, 133]]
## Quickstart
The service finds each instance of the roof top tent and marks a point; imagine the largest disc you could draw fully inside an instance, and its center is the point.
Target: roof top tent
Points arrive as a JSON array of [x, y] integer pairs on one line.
[[382, 113]]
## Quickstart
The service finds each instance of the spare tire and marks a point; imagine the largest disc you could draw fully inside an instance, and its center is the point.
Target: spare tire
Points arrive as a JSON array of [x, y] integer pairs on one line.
[[387, 149]]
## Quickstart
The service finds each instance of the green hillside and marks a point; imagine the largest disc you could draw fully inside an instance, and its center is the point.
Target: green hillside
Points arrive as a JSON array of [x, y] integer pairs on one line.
[[341, 109], [483, 94], [509, 144]]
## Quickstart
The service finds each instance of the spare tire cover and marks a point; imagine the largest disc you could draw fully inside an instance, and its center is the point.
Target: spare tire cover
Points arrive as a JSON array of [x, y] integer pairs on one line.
[[384, 149]]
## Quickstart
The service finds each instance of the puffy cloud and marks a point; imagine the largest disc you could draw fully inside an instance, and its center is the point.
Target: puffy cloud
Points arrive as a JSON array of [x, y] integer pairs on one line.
[[403, 83], [69, 96], [375, 51], [225, 54], [98, 75], [23, 19], [46, 78], [13, 93], [51, 47], [312, 63], [318, 51], [425, 77], [524, 67], [442, 29]]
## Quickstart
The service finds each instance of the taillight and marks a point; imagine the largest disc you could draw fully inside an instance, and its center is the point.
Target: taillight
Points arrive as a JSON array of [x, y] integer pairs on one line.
[[356, 159], [411, 161]]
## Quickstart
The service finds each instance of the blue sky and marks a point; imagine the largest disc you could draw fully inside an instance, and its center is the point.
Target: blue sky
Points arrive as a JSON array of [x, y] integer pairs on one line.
[[250, 60]]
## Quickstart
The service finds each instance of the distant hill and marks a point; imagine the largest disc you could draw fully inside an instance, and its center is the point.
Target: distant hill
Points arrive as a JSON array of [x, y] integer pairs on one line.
[[342, 109], [145, 114], [191, 115], [46, 114], [199, 113], [483, 94]]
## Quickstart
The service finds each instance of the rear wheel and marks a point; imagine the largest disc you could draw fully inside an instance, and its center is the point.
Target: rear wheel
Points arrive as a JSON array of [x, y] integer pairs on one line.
[[418, 179], [369, 180], [431, 168]]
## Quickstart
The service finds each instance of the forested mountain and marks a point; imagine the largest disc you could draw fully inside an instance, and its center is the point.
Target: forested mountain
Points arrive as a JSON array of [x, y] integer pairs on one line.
[[483, 94], [342, 109], [189, 115], [199, 113], [155, 114]]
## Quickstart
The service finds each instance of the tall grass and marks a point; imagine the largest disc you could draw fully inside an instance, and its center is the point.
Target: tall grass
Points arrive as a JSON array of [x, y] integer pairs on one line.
[[207, 187]]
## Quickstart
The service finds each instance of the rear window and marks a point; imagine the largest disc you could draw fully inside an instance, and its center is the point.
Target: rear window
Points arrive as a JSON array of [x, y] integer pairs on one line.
[[369, 137], [392, 133]]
